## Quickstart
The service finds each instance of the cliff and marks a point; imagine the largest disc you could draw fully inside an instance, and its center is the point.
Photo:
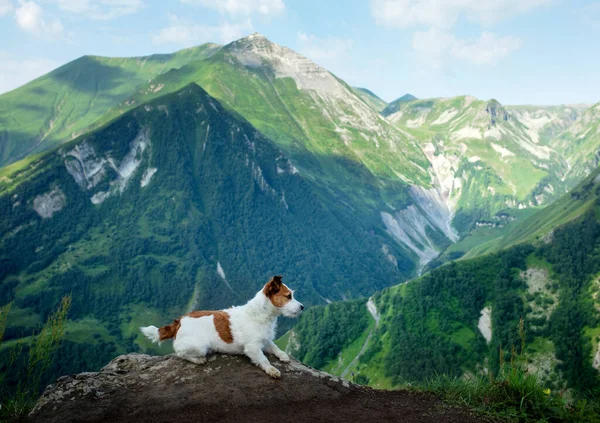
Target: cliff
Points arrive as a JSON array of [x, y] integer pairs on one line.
[[139, 387]]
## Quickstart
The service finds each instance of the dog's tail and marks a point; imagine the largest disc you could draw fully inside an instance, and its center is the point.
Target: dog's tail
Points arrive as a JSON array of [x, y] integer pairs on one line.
[[158, 335], [151, 332]]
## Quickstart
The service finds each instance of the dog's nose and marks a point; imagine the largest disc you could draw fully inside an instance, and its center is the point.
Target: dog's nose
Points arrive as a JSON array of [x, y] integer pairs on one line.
[[301, 307]]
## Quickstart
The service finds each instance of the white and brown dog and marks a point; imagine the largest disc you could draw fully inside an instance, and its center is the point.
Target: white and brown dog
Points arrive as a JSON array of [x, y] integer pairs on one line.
[[247, 329]]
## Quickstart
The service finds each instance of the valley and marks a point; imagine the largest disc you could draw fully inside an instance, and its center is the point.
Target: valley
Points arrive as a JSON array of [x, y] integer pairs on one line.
[[149, 186]]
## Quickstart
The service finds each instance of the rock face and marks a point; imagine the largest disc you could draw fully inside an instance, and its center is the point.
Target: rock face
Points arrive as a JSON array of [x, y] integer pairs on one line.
[[139, 387]]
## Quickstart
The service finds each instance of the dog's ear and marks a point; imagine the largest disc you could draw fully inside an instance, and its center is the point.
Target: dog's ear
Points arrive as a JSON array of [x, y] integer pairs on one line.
[[273, 286]]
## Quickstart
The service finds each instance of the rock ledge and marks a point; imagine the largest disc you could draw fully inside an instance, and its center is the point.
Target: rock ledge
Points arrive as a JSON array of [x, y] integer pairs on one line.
[[138, 387]]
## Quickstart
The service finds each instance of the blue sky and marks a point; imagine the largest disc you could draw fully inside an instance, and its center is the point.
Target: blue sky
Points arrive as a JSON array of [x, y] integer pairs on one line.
[[517, 51]]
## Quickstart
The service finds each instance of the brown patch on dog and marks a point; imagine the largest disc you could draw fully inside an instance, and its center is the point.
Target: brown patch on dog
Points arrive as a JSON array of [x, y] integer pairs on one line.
[[169, 331], [276, 291], [221, 321]]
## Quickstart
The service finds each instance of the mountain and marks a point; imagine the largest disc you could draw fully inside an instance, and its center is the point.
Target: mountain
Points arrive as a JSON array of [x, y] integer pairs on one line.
[[429, 172], [175, 205], [456, 319], [489, 157], [580, 143], [62, 104], [395, 105], [370, 98], [330, 133]]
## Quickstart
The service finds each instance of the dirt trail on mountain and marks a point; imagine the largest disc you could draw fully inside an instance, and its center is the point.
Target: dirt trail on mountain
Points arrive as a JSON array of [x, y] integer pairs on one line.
[[375, 315]]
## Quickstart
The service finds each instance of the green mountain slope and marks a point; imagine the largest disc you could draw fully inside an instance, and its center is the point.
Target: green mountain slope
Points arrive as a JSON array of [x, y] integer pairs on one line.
[[62, 104], [177, 204], [370, 98], [395, 105], [331, 135], [456, 319], [581, 144], [489, 157]]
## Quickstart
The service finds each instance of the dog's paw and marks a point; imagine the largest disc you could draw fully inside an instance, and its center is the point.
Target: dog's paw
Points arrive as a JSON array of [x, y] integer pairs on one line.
[[273, 372], [284, 358]]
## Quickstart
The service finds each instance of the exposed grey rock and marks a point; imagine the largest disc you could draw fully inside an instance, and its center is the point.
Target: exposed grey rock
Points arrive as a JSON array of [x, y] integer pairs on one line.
[[49, 203], [139, 387]]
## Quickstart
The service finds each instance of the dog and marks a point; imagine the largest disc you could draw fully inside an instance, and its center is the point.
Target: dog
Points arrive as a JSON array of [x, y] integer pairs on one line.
[[247, 329]]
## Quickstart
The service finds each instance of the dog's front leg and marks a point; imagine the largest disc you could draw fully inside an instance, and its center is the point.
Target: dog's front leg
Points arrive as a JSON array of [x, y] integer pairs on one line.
[[254, 352], [272, 348]]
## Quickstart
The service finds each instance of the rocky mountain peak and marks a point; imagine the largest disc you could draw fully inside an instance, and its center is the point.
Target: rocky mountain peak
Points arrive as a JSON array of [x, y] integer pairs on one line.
[[496, 111], [256, 51], [139, 387]]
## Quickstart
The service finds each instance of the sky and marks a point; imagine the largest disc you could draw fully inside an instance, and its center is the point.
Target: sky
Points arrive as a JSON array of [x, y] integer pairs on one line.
[[516, 51]]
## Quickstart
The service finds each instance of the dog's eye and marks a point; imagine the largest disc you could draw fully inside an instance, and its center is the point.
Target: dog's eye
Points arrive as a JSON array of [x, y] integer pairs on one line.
[[288, 296]]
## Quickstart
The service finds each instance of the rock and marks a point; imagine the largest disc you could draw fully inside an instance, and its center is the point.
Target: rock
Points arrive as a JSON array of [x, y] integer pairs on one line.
[[138, 387]]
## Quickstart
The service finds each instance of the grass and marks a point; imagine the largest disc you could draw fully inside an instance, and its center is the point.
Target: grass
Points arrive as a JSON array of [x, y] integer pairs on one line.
[[514, 395]]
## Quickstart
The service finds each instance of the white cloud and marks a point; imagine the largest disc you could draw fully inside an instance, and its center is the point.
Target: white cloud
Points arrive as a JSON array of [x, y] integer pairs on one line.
[[325, 51], [30, 17], [16, 72], [100, 9], [487, 50], [590, 14], [241, 7], [445, 13], [6, 7], [186, 33], [436, 46]]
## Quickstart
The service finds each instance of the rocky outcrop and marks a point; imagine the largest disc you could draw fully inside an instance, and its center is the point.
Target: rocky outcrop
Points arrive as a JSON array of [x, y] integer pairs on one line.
[[138, 387], [496, 112], [47, 204]]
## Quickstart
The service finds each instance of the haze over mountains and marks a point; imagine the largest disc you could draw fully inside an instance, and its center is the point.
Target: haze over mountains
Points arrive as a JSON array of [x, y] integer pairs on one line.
[[144, 185]]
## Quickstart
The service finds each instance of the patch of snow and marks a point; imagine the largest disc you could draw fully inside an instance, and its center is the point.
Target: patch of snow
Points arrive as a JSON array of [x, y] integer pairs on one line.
[[474, 159], [485, 323], [504, 152], [49, 203], [148, 174]]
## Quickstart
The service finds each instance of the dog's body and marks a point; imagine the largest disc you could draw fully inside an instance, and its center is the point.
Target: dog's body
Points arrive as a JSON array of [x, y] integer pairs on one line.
[[247, 329]]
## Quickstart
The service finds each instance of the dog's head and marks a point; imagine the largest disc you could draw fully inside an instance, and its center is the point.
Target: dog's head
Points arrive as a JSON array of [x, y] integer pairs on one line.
[[282, 297]]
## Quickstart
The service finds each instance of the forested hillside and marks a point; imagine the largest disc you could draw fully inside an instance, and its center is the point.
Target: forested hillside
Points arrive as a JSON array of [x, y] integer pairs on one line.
[[458, 319], [176, 205]]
